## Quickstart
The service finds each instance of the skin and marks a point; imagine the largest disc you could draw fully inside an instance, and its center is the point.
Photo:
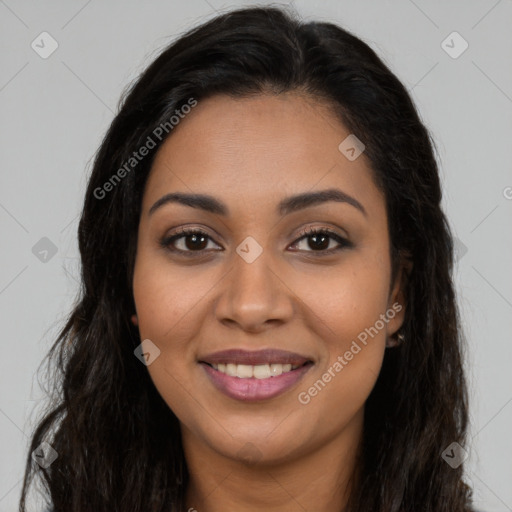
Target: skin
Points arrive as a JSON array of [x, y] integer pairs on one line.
[[250, 154]]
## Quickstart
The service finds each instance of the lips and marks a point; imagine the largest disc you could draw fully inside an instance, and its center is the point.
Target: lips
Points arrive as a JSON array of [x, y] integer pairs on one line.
[[257, 375], [254, 358]]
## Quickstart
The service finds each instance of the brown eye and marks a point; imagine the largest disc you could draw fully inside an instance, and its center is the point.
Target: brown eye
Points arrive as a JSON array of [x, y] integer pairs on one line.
[[195, 241], [187, 241], [319, 240]]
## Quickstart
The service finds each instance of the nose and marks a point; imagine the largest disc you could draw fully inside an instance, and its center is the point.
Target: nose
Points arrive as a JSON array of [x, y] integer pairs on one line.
[[255, 296]]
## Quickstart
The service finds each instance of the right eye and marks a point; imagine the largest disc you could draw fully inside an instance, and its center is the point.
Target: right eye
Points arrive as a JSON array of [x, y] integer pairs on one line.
[[193, 239]]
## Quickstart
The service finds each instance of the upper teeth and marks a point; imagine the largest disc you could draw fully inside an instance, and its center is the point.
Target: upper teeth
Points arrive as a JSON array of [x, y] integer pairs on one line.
[[247, 371]]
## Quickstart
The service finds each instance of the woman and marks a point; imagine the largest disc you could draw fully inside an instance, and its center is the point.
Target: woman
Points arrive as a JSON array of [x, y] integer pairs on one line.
[[267, 318]]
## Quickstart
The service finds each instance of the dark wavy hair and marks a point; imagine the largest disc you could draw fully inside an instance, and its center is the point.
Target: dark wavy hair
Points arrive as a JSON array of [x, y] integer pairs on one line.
[[118, 443]]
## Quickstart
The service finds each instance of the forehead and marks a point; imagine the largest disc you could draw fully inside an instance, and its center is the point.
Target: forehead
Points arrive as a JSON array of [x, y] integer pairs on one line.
[[247, 150]]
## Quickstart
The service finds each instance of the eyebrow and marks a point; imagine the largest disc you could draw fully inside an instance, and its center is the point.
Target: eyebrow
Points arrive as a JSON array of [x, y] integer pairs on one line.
[[286, 206]]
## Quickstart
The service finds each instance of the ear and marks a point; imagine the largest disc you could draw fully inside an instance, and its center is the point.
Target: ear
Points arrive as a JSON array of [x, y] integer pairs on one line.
[[398, 298], [134, 320]]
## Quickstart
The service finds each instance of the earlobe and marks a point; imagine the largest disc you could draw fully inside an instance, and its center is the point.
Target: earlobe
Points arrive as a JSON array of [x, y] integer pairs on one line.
[[398, 302], [395, 340], [134, 320]]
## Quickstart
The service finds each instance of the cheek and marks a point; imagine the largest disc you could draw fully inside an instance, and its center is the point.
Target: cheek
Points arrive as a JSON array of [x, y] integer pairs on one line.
[[347, 306], [340, 386], [170, 306], [165, 297], [347, 302]]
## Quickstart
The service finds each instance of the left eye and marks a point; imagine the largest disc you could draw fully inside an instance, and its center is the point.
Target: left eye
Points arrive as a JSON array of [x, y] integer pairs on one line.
[[196, 241], [321, 239]]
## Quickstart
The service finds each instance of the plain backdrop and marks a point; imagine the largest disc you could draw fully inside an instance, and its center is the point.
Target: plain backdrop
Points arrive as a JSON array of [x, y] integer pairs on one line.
[[55, 111]]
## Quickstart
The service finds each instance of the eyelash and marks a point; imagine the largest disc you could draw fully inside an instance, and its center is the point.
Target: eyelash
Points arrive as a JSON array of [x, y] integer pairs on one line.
[[167, 241]]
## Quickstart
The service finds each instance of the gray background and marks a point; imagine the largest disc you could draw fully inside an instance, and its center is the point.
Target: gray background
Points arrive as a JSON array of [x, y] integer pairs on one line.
[[55, 111]]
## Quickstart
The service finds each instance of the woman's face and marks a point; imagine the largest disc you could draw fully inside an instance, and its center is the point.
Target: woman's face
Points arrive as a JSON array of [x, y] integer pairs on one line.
[[254, 283]]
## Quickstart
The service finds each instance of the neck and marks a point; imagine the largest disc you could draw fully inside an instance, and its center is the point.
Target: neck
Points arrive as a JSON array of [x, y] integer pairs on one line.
[[320, 480]]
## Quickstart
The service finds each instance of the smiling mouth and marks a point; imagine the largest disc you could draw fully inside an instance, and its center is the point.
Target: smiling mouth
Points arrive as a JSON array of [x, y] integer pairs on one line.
[[260, 371], [255, 375]]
